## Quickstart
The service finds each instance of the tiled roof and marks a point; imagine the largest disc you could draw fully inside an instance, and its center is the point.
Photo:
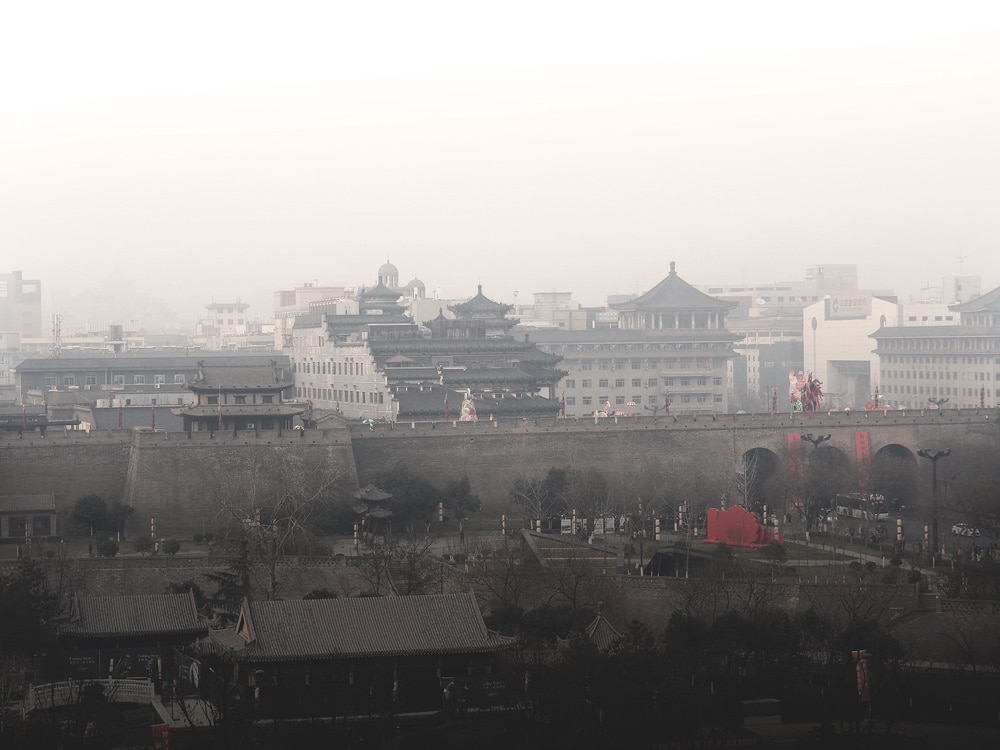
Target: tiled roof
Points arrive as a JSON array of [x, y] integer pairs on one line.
[[28, 503], [989, 302], [148, 359], [673, 293], [934, 332], [365, 627], [480, 306], [151, 614], [240, 378], [372, 494], [417, 346], [241, 410], [668, 337], [602, 633]]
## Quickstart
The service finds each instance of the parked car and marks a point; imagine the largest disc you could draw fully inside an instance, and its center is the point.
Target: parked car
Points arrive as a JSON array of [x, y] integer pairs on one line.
[[964, 529]]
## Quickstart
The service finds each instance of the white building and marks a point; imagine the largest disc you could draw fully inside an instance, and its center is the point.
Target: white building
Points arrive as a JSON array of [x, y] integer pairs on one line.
[[837, 344]]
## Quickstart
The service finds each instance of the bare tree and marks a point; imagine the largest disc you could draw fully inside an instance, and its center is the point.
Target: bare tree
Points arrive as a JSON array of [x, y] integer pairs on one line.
[[498, 576], [969, 627], [269, 503], [538, 497]]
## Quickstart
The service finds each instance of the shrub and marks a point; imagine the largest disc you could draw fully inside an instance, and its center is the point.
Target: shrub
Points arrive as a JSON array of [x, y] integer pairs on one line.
[[143, 545], [107, 548], [171, 546], [199, 538]]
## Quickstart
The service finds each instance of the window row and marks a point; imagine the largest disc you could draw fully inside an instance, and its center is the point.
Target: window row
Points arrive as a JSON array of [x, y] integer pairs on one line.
[[324, 367], [71, 381]]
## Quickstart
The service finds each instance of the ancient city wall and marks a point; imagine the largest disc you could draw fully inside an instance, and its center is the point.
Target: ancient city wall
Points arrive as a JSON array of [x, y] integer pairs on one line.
[[169, 474]]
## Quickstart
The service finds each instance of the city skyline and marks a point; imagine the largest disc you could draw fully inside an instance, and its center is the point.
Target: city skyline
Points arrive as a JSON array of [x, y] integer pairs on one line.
[[212, 155], [152, 312]]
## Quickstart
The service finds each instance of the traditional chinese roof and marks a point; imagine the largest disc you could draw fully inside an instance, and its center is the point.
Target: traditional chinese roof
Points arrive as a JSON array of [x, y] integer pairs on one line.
[[240, 410], [928, 332], [601, 632], [364, 627], [129, 616], [239, 378], [379, 297], [673, 294], [480, 306], [372, 494], [989, 302], [28, 503]]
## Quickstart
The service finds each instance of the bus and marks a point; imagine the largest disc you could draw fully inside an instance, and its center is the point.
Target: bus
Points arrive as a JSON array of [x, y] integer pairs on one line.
[[867, 507]]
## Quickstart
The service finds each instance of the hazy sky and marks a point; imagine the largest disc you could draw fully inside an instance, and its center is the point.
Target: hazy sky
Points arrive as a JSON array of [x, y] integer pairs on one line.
[[191, 152]]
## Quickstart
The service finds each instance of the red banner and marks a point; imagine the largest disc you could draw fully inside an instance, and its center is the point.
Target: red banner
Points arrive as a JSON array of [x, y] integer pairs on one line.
[[862, 452]]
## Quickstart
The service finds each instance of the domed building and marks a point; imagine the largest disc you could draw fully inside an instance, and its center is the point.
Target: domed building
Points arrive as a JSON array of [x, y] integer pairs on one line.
[[388, 275]]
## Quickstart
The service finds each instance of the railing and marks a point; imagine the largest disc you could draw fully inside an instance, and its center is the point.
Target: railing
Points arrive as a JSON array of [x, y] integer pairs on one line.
[[69, 692]]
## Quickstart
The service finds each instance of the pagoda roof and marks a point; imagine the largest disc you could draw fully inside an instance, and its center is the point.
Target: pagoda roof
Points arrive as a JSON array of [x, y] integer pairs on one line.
[[372, 494], [602, 633], [674, 294], [989, 302], [480, 306]]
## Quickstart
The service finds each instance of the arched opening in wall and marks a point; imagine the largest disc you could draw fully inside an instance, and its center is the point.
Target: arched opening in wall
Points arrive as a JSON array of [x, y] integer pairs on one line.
[[827, 472], [894, 476], [755, 473]]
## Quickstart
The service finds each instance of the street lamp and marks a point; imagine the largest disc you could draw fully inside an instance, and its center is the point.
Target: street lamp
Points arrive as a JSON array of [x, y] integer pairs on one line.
[[808, 437], [933, 457], [938, 402]]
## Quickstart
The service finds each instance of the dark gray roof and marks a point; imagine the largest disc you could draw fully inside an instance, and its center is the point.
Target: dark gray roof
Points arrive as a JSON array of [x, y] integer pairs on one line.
[[549, 336], [241, 410], [480, 306], [989, 302], [365, 627], [372, 494], [673, 293], [28, 503], [240, 377], [934, 332], [125, 616], [602, 633], [148, 359]]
